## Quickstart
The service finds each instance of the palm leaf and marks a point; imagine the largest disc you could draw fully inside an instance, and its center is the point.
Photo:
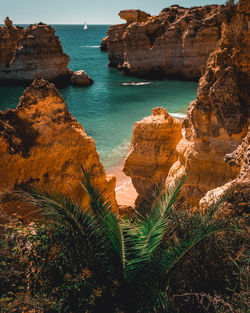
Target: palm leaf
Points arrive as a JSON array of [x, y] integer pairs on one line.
[[178, 248], [106, 219], [56, 206], [144, 237]]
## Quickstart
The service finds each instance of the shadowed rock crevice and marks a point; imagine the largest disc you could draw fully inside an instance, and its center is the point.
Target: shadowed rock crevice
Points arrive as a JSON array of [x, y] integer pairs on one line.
[[20, 135]]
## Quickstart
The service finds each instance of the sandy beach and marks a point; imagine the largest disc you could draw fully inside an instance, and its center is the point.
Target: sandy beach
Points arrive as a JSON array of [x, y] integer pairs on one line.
[[125, 191]]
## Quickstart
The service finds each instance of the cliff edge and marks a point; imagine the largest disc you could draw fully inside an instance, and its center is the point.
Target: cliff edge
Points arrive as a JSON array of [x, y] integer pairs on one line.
[[214, 149], [175, 44], [33, 53]]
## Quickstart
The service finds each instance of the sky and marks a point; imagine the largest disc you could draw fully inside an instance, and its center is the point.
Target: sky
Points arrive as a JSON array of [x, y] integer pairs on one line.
[[78, 11]]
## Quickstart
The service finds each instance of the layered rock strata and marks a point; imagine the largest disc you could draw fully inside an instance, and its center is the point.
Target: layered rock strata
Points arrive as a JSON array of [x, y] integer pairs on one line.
[[152, 151], [237, 191], [43, 144], [176, 43], [217, 120], [35, 52], [211, 151]]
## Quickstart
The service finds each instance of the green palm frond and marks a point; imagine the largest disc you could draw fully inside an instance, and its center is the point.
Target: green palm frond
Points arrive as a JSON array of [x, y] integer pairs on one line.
[[58, 207], [207, 226], [144, 237], [106, 219]]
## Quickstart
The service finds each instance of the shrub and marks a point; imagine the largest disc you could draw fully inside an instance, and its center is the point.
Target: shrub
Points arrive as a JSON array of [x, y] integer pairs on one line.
[[91, 261]]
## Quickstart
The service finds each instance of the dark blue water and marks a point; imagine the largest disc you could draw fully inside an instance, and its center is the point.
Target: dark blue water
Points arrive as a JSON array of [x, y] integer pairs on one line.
[[108, 109]]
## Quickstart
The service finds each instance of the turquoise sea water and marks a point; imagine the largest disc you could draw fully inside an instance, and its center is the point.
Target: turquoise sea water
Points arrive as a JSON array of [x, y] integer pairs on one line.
[[109, 108]]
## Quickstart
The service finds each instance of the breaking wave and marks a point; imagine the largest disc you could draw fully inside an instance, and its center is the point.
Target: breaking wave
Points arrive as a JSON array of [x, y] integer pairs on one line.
[[135, 83], [89, 46], [178, 115]]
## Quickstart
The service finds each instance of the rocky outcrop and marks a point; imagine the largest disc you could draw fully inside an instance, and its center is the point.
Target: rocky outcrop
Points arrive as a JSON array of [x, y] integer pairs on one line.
[[80, 78], [9, 36], [217, 120], [236, 191], [104, 44], [43, 144], [152, 151], [212, 151], [35, 52], [176, 43], [131, 16]]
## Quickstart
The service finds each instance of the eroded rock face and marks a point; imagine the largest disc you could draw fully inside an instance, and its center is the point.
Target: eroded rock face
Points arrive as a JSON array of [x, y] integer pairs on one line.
[[237, 190], [35, 52], [9, 36], [214, 150], [134, 16], [104, 44], [43, 144], [175, 44], [217, 120], [8, 22], [152, 151]]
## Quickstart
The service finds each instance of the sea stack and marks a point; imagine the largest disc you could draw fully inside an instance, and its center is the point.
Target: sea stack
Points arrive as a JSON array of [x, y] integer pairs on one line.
[[152, 151]]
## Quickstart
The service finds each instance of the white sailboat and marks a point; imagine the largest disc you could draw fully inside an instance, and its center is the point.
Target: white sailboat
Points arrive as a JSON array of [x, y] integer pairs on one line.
[[85, 27]]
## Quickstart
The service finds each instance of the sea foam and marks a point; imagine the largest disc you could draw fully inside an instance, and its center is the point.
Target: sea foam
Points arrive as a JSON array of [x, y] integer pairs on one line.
[[89, 46], [135, 83]]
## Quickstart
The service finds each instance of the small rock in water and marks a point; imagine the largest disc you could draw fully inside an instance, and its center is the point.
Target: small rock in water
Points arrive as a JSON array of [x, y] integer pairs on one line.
[[80, 78]]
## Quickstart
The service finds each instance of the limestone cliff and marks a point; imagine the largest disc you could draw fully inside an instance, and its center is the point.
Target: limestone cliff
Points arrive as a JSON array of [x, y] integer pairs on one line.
[[236, 191], [9, 36], [176, 43], [32, 53], [152, 151], [43, 144], [35, 52], [216, 122]]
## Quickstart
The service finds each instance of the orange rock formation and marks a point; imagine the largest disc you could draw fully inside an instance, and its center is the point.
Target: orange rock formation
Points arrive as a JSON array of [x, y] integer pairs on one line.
[[43, 144], [217, 120], [132, 16], [32, 53], [35, 52], [9, 36], [212, 151], [175, 43], [153, 150], [237, 202]]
